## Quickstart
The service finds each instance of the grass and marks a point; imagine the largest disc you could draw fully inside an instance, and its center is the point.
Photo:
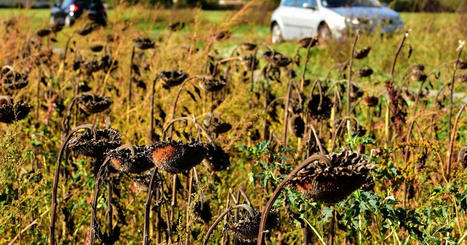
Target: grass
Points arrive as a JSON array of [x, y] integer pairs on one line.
[[412, 201]]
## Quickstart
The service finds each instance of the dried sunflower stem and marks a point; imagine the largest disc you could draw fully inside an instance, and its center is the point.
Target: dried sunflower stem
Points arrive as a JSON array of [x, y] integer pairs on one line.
[[130, 76], [393, 99], [93, 223], [147, 207], [266, 102], [451, 143], [174, 107], [341, 124], [153, 91], [286, 115], [164, 133], [252, 68], [53, 205], [281, 185], [248, 208], [307, 59], [109, 207], [242, 192], [318, 143], [349, 76], [190, 186], [451, 90]]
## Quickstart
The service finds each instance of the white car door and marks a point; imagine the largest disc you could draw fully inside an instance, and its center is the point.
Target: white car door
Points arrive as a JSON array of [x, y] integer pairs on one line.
[[291, 29], [307, 17]]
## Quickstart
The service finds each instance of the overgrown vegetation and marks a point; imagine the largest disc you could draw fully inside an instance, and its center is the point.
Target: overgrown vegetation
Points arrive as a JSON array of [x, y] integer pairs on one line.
[[252, 112]]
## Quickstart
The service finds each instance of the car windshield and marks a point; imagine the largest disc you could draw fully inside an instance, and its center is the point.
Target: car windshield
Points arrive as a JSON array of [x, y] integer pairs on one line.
[[349, 3]]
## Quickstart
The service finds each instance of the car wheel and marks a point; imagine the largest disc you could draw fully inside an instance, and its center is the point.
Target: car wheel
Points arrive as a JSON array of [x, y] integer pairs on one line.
[[276, 34], [324, 33], [68, 21]]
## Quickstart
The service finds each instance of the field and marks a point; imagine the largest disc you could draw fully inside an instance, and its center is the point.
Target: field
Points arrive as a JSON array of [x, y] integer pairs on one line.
[[214, 126]]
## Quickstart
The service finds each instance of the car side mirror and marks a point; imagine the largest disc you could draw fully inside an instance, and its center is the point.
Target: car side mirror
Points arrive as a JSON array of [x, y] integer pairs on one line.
[[56, 4], [308, 6], [384, 5]]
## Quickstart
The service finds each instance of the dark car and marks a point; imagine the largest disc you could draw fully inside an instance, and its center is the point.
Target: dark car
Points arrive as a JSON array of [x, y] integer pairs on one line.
[[68, 11]]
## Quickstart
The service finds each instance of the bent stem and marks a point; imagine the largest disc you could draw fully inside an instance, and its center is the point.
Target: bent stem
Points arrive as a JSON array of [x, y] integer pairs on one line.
[[151, 129], [174, 107], [248, 208], [286, 115], [349, 77], [94, 225], [186, 119], [334, 132], [451, 143], [451, 89], [53, 205], [307, 59], [147, 208], [278, 189]]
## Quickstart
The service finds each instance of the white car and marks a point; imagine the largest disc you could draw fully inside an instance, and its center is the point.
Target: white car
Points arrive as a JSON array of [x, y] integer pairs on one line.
[[296, 19]]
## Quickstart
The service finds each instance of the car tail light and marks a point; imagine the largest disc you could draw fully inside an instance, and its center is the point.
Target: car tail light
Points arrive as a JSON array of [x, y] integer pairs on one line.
[[74, 8], [103, 10]]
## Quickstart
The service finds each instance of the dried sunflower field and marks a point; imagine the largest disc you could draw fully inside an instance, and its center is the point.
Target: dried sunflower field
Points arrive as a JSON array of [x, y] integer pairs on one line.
[[189, 127]]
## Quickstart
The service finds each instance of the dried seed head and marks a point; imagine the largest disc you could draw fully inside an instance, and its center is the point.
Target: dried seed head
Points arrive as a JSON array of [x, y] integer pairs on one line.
[[172, 78], [203, 211], [418, 68], [246, 229], [277, 59], [96, 48], [308, 41], [462, 156], [211, 84], [43, 32], [371, 101], [56, 27], [177, 26], [177, 157], [107, 63], [91, 66], [92, 103], [132, 159], [216, 158], [359, 130], [320, 109], [462, 64], [95, 143], [250, 62], [11, 111], [356, 92], [418, 76], [461, 77], [222, 36], [297, 126], [348, 172], [87, 29], [248, 46], [12, 80], [365, 72], [362, 53], [143, 43], [215, 125], [141, 182]]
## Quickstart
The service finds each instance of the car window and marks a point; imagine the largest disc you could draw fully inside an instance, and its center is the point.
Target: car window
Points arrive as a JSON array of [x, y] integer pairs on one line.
[[311, 2], [349, 3], [66, 3], [289, 3]]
